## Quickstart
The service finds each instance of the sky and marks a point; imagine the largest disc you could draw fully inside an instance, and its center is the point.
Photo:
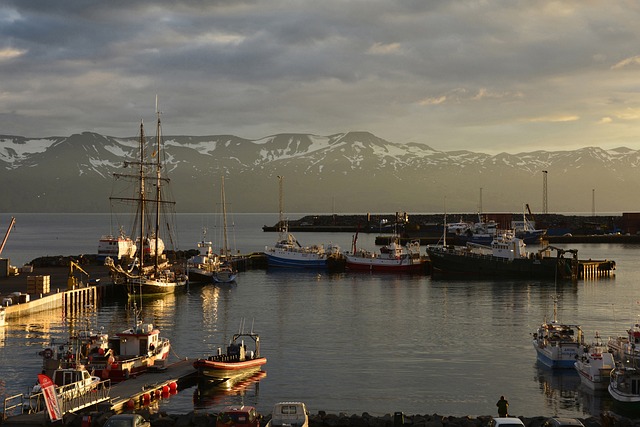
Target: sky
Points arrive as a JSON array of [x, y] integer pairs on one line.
[[487, 76]]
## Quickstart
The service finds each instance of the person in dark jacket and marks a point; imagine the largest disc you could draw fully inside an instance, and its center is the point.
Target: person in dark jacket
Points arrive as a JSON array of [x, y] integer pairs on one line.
[[503, 407]]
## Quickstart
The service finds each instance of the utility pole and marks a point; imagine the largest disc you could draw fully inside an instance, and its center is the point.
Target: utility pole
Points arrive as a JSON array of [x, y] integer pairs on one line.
[[545, 207], [593, 202], [281, 205], [480, 204]]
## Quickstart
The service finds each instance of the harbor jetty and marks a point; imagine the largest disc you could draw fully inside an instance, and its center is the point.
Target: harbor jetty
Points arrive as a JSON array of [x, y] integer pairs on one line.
[[624, 228], [323, 419]]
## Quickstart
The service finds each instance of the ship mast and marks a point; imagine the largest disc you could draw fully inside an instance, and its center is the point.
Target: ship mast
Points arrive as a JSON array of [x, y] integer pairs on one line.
[[225, 247], [142, 197], [158, 171]]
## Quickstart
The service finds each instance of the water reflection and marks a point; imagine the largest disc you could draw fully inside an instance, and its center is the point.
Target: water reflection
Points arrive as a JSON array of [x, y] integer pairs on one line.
[[559, 388], [237, 391]]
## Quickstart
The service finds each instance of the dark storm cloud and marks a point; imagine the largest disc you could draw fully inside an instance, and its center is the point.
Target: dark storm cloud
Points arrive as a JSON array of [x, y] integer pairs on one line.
[[502, 75]]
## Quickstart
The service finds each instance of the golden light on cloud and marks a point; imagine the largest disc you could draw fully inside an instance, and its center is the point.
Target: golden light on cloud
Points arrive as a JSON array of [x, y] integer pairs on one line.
[[384, 48], [433, 101], [605, 120], [555, 119], [10, 53], [634, 60]]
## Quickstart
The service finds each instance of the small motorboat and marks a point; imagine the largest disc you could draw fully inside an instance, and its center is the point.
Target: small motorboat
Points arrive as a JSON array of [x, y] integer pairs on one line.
[[236, 363]]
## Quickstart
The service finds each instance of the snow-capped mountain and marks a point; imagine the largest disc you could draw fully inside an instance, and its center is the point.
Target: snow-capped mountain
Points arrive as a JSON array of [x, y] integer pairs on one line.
[[347, 172]]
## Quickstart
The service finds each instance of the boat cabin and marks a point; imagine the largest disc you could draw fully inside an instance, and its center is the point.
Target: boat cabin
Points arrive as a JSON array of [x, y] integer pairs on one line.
[[508, 246], [139, 341], [62, 377]]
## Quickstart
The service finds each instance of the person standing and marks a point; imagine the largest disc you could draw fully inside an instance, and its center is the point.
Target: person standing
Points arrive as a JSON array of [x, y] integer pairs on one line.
[[503, 407]]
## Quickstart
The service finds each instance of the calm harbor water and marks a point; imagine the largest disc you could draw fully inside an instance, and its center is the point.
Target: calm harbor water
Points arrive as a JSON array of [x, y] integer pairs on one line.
[[347, 342]]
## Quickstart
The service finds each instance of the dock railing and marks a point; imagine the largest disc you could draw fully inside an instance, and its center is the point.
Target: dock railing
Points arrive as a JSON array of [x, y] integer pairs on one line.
[[70, 398]]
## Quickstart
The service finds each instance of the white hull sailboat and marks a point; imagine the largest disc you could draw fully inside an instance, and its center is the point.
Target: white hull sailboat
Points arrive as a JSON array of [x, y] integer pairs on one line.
[[209, 267]]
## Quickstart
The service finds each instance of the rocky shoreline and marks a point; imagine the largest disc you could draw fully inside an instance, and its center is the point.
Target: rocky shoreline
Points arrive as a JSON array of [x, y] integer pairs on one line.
[[323, 419]]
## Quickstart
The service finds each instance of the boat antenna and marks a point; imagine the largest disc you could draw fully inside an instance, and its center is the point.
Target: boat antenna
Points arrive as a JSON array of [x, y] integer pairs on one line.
[[252, 322]]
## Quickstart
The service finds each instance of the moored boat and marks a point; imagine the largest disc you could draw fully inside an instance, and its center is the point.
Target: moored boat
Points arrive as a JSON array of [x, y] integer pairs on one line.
[[627, 348], [288, 252], [392, 258], [624, 387], [131, 352], [506, 256], [151, 272], [594, 364], [116, 247], [235, 363], [558, 344]]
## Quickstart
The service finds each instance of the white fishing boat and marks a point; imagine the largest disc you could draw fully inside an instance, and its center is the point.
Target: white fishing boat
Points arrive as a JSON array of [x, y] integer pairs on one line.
[[132, 351], [558, 344], [595, 364], [627, 347], [116, 247], [151, 273], [288, 252], [624, 386]]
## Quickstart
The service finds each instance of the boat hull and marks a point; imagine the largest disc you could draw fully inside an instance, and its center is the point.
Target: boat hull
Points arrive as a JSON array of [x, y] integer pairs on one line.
[[557, 357], [384, 265], [452, 261], [219, 371], [122, 369], [284, 260]]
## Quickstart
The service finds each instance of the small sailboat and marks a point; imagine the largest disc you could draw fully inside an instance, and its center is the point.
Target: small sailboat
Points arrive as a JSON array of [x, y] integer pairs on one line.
[[151, 272], [226, 272], [208, 266]]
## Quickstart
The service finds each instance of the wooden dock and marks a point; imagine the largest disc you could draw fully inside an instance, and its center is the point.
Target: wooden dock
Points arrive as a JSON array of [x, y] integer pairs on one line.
[[152, 385]]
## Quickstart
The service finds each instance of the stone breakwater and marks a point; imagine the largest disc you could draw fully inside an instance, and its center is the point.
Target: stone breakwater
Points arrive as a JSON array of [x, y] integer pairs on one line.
[[322, 419]]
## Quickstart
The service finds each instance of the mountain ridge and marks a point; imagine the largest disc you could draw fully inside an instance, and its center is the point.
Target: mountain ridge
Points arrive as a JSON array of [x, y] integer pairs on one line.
[[353, 171]]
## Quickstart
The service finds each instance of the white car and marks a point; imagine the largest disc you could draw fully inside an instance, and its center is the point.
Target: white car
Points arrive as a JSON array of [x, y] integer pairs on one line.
[[290, 414], [506, 422]]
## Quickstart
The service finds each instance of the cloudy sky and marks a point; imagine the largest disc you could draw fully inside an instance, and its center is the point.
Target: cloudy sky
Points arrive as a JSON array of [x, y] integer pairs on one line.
[[486, 76]]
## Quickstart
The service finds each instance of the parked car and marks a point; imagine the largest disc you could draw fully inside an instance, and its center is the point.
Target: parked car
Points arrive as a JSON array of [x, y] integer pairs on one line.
[[506, 422], [293, 414], [127, 420], [238, 416], [563, 422]]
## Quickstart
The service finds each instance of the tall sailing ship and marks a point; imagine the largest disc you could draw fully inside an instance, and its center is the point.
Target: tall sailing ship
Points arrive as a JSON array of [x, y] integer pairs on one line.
[[150, 272]]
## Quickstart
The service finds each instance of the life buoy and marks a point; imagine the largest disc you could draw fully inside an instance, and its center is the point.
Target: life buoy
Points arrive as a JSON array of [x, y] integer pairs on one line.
[[47, 353]]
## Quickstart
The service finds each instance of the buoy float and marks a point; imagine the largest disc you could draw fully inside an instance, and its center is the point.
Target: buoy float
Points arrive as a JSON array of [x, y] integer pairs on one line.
[[131, 404], [157, 393], [173, 386], [146, 397], [165, 389]]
